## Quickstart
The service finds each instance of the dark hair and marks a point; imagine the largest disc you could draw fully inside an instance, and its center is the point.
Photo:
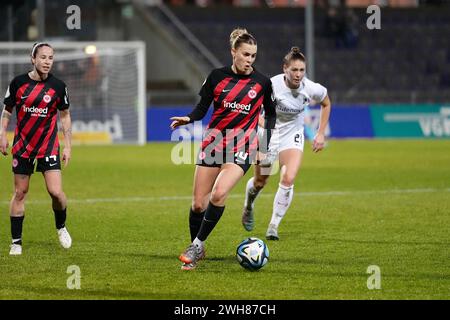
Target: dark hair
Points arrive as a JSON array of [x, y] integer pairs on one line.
[[239, 36], [294, 54], [38, 45]]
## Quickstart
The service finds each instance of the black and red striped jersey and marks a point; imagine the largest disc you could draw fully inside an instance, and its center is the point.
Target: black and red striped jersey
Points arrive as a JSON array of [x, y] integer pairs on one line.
[[37, 104], [237, 101]]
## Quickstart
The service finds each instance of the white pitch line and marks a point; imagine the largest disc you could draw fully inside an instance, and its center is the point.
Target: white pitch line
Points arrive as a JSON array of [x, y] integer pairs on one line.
[[236, 196]]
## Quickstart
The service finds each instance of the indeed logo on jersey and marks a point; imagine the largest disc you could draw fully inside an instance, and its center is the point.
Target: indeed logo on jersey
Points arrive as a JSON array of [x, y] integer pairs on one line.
[[288, 105], [285, 109], [237, 107], [36, 112]]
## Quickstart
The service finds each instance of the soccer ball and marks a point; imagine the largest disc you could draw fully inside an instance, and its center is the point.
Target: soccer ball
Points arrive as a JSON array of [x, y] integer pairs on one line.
[[252, 254]]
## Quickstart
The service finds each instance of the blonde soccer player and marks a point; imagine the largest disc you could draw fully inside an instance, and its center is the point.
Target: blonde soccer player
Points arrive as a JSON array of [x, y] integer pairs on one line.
[[238, 93]]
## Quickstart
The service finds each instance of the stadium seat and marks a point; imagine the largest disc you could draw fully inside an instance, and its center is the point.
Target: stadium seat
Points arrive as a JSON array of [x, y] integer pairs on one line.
[[411, 54]]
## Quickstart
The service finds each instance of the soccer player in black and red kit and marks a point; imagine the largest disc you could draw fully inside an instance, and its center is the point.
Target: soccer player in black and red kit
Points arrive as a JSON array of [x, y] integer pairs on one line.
[[230, 144], [37, 97]]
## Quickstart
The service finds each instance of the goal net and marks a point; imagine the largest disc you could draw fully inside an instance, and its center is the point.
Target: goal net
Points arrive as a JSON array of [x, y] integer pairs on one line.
[[106, 85]]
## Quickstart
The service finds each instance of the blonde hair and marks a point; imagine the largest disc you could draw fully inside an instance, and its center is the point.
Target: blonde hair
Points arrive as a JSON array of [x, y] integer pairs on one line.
[[294, 54], [239, 36]]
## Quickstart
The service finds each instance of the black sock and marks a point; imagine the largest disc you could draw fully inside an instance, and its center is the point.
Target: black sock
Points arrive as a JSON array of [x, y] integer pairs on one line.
[[212, 216], [16, 229], [195, 221], [60, 218]]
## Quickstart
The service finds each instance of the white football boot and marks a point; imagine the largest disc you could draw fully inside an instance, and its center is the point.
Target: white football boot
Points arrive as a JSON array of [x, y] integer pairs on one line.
[[16, 250], [64, 238], [272, 232]]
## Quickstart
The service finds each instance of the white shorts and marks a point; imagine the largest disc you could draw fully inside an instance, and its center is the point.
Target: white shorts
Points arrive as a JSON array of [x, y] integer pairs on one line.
[[286, 138]]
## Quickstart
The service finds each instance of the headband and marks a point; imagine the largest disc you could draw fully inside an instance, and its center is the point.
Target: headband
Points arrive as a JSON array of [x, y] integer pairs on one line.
[[36, 46]]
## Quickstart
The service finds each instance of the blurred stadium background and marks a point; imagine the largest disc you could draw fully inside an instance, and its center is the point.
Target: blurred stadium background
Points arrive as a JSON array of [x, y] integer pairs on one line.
[[134, 64], [368, 73]]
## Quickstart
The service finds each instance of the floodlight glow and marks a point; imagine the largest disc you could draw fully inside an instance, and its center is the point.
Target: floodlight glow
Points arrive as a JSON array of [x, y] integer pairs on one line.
[[90, 49]]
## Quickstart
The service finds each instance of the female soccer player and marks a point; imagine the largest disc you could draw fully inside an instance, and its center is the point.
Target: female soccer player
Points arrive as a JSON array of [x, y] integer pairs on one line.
[[230, 143], [37, 97], [293, 93]]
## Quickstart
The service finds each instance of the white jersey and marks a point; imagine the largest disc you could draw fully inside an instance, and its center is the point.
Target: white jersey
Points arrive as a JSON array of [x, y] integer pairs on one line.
[[291, 103]]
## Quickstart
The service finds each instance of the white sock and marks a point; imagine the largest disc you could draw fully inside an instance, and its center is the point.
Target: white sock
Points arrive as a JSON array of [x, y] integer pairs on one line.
[[281, 203], [198, 243], [250, 194]]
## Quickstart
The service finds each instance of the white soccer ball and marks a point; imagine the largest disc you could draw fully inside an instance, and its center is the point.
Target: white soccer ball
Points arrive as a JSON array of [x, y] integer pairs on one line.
[[252, 253]]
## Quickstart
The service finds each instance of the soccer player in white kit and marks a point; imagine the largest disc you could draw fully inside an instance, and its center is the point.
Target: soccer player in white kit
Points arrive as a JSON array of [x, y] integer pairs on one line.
[[293, 93]]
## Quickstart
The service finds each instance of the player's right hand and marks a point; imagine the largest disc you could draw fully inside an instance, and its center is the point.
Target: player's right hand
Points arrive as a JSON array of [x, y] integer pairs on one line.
[[4, 144], [318, 143], [66, 156], [179, 121], [264, 160]]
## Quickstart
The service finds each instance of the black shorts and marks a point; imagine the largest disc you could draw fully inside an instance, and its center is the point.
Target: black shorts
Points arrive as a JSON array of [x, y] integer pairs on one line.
[[216, 160], [26, 165]]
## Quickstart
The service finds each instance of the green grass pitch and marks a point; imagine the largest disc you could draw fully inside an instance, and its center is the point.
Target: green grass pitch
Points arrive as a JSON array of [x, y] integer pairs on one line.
[[358, 203]]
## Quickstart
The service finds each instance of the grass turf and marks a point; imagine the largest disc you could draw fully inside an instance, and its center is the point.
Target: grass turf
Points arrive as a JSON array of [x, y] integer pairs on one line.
[[358, 203]]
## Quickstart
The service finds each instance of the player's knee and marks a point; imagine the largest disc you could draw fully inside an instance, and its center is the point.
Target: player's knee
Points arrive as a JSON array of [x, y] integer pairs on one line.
[[198, 206], [20, 194], [218, 195], [260, 182], [288, 179], [56, 194]]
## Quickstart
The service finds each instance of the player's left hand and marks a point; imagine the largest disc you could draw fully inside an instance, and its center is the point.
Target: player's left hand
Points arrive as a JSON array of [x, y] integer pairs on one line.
[[66, 156], [4, 144], [319, 142], [265, 160], [179, 121], [260, 157]]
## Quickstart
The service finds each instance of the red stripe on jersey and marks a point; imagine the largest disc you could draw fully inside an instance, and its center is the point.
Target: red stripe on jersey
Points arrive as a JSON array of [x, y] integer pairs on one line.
[[230, 98], [28, 102], [218, 89], [244, 126], [34, 93], [253, 145], [236, 90], [222, 125], [19, 143], [37, 135], [20, 93], [251, 128], [19, 104], [46, 141], [242, 140], [31, 143], [246, 100], [23, 133], [53, 127], [222, 110]]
